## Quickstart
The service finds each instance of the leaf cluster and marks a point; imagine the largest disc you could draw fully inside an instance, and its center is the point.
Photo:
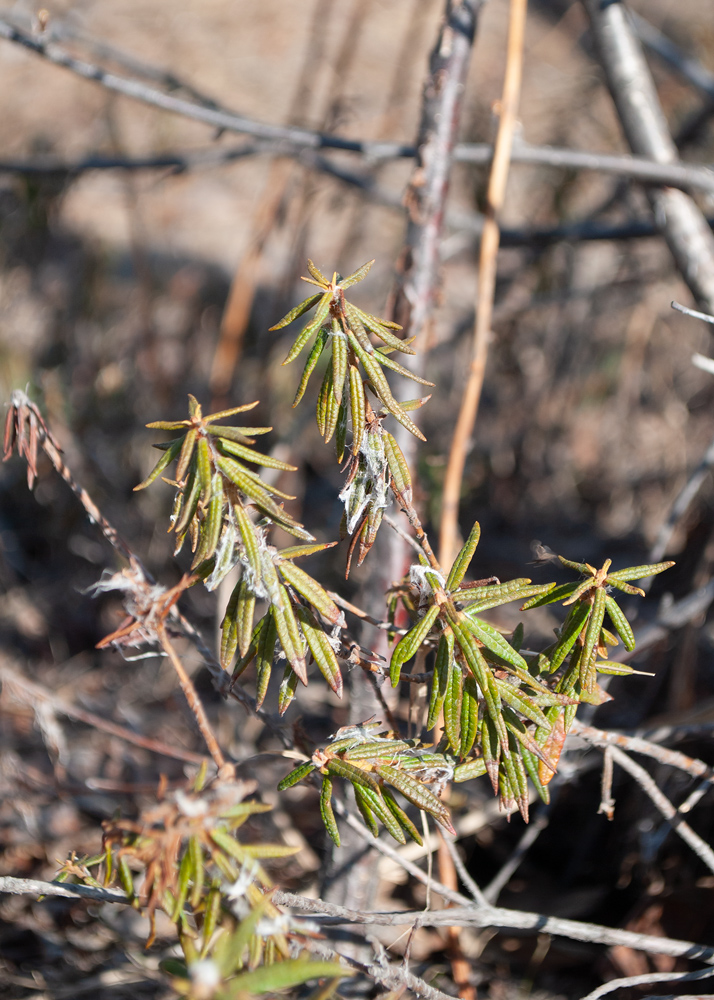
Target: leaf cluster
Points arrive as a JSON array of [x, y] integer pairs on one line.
[[217, 499], [355, 366], [212, 886], [377, 765], [515, 707]]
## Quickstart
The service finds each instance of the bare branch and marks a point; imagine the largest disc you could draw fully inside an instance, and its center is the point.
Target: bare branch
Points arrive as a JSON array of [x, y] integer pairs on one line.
[[649, 977], [676, 214], [469, 915], [426, 194], [689, 69], [393, 977], [33, 887], [687, 176], [693, 312], [703, 851], [635, 744]]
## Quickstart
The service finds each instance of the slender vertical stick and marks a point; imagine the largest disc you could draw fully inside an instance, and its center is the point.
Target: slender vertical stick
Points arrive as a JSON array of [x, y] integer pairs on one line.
[[448, 541], [194, 702]]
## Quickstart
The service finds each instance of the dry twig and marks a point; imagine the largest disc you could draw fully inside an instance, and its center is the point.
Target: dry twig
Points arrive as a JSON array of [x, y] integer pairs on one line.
[[448, 540]]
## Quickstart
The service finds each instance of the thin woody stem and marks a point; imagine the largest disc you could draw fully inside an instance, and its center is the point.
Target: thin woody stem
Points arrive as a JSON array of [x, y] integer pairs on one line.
[[421, 536], [448, 540], [194, 702]]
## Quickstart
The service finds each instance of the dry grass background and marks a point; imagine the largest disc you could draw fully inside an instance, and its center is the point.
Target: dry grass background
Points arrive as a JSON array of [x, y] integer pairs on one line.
[[112, 288]]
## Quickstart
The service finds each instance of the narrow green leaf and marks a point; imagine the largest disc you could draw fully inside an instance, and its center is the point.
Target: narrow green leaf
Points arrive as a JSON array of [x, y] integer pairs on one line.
[[627, 588], [469, 716], [401, 817], [622, 626], [463, 559], [290, 636], [339, 360], [394, 366], [322, 652], [357, 406], [356, 775], [297, 312], [379, 749], [572, 627], [410, 643], [504, 593], [212, 523], [417, 793], [222, 414], [250, 540], [550, 597], [166, 459], [249, 455], [521, 702], [357, 275], [310, 590], [203, 463], [265, 653], [298, 551], [363, 806], [312, 359], [639, 572], [229, 628], [297, 774], [197, 864], [491, 749], [440, 679], [592, 635], [250, 653], [452, 702], [191, 495], [316, 273], [287, 689], [245, 610], [577, 566], [582, 588], [493, 640], [398, 468], [282, 975], [469, 769], [311, 328], [530, 762], [619, 669], [186, 453], [341, 428]]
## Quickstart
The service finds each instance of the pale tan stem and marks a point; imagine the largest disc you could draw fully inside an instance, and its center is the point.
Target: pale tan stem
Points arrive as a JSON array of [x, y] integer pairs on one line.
[[448, 540], [194, 702]]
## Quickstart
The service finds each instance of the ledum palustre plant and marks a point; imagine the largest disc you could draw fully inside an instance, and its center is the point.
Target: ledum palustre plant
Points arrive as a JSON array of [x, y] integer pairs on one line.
[[506, 710]]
